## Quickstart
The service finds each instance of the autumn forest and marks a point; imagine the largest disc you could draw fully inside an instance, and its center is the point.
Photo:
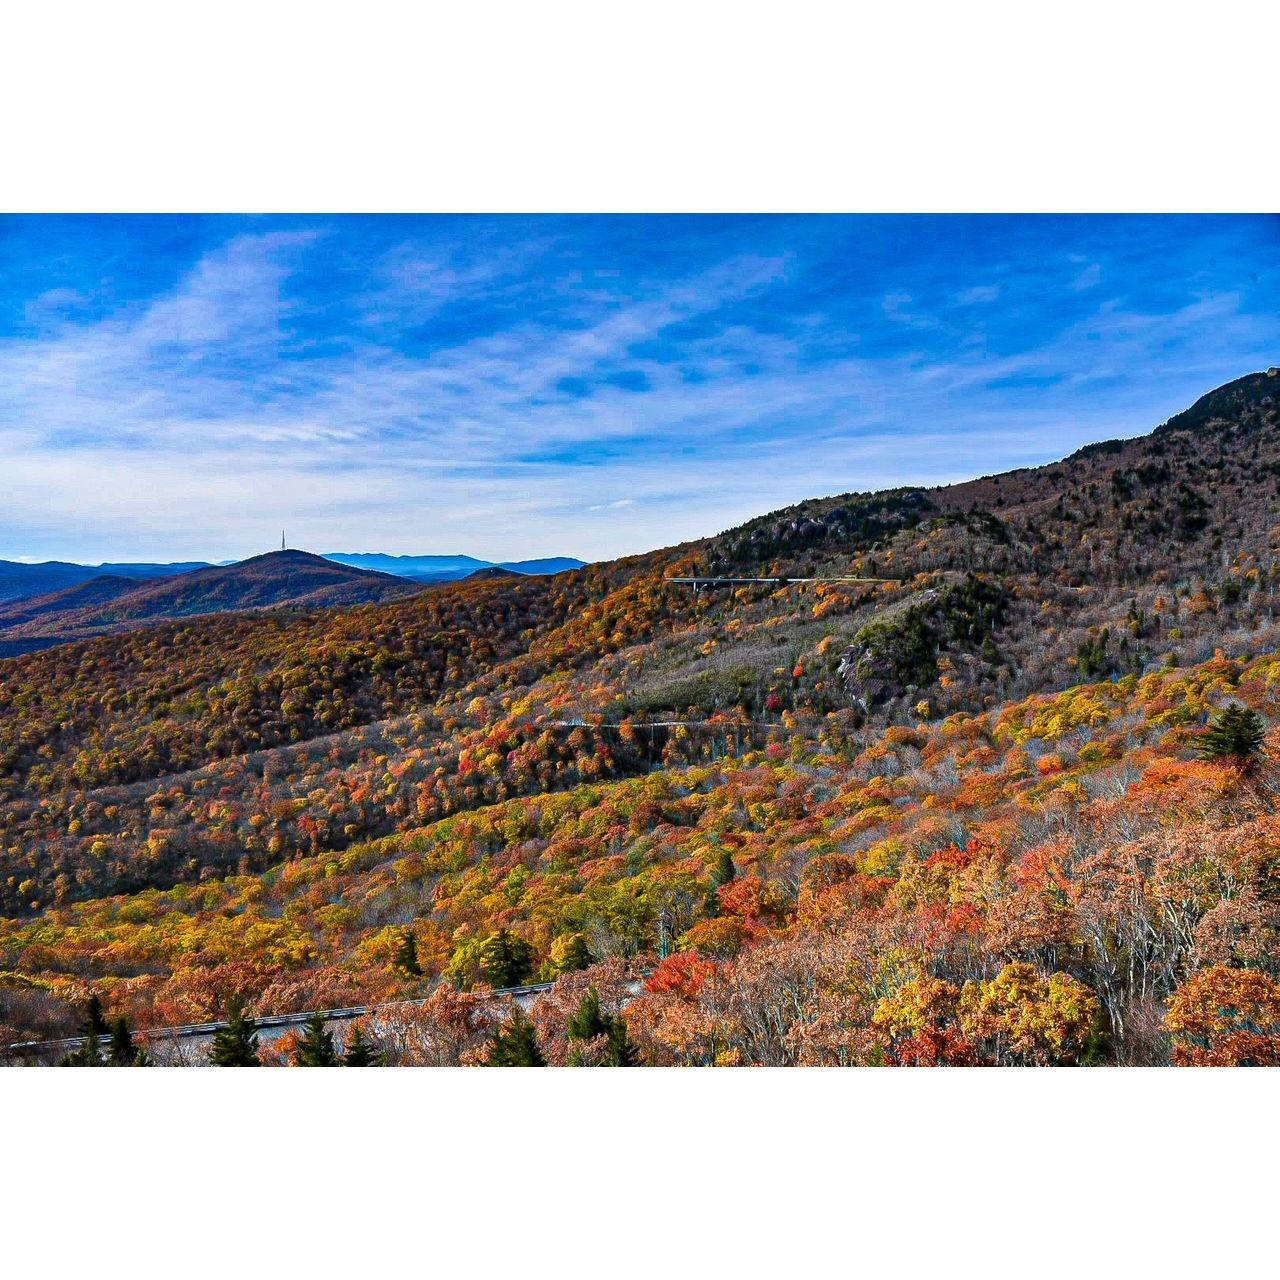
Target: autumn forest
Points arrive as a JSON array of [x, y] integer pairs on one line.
[[980, 775]]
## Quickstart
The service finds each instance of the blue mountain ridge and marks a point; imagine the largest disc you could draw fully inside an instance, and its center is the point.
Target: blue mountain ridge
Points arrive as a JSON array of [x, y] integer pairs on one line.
[[447, 568], [19, 580]]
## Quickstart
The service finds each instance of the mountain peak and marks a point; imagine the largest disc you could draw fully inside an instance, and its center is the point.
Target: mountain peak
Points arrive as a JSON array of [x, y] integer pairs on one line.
[[288, 556], [1252, 392]]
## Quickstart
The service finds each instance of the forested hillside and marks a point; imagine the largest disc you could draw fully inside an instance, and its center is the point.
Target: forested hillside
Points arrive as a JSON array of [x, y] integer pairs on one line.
[[989, 805], [19, 580], [114, 603]]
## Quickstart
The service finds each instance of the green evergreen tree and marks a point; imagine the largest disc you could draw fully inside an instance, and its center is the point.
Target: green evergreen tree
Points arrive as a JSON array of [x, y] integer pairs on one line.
[[1236, 733], [407, 955], [315, 1049], [621, 1052], [505, 959], [724, 872], [236, 1045], [123, 1053], [95, 1021], [88, 1054], [1091, 655], [359, 1052], [91, 1052], [587, 1022], [515, 1043]]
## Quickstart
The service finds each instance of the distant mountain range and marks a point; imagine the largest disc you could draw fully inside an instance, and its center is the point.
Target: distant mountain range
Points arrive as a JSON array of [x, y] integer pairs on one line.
[[20, 581], [113, 602], [448, 568], [132, 595]]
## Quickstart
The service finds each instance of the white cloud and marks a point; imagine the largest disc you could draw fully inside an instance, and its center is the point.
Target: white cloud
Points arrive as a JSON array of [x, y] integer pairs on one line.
[[978, 294], [897, 307], [1089, 278]]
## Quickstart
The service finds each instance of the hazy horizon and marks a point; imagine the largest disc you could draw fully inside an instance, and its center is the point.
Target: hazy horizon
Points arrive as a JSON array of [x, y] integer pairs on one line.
[[178, 388], [224, 560]]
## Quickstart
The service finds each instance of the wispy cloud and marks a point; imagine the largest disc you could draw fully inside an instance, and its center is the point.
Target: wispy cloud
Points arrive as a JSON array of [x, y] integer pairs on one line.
[[978, 294], [1089, 278]]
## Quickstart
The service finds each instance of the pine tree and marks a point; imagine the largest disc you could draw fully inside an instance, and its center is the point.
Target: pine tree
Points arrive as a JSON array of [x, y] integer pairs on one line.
[[621, 1052], [505, 959], [587, 1023], [95, 1022], [725, 872], [88, 1054], [124, 1053], [515, 1043], [315, 1049], [407, 955], [1236, 733], [359, 1052], [236, 1045], [1091, 655]]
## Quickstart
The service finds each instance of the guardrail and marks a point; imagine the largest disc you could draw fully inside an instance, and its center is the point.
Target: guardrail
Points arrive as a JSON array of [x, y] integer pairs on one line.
[[195, 1030], [777, 580]]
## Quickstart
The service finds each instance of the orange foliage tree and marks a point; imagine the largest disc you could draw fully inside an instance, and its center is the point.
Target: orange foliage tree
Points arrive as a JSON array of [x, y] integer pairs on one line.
[[1224, 1017]]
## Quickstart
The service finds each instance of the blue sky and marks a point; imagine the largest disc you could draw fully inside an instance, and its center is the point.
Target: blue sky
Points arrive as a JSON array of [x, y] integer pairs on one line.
[[181, 387]]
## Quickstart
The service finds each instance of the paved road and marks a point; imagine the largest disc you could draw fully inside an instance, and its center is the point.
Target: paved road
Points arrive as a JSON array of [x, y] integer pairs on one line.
[[188, 1041], [702, 584]]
